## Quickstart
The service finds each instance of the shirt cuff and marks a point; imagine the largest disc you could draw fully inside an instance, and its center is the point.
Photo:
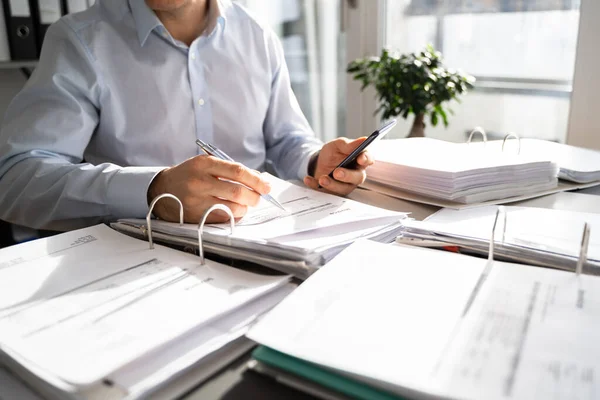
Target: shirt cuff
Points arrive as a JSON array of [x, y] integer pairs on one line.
[[127, 194], [303, 170]]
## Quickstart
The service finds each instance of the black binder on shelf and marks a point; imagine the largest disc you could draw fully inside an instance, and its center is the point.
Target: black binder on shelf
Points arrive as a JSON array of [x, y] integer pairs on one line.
[[21, 30]]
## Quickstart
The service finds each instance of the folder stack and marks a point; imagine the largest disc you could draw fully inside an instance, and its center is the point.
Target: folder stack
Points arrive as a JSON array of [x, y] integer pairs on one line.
[[456, 173], [314, 228], [535, 236], [399, 322], [576, 164], [96, 314]]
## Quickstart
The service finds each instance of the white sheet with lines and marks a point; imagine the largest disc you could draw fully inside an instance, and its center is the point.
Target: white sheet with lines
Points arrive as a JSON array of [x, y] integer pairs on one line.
[[530, 333], [306, 210], [82, 308]]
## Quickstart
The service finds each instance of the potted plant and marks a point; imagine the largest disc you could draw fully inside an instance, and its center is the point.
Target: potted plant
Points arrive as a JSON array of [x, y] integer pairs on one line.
[[414, 83]]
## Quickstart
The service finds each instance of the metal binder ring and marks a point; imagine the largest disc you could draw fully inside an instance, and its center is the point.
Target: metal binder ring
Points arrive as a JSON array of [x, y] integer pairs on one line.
[[501, 210], [583, 251], [149, 215], [509, 135], [221, 207], [480, 130]]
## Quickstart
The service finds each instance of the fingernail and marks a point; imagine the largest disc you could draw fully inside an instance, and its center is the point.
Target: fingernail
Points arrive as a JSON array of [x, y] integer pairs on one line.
[[325, 181], [340, 174]]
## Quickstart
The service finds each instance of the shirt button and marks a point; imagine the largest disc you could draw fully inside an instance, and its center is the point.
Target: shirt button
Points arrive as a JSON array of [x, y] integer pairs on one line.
[[193, 56], [201, 102]]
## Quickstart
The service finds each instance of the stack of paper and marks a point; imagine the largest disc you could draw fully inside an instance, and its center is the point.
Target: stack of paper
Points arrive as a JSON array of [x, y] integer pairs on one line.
[[536, 236], [314, 228], [456, 172], [576, 164], [96, 314], [382, 322]]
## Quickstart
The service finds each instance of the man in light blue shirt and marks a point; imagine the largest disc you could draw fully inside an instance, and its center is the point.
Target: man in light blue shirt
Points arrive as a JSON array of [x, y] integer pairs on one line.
[[128, 86]]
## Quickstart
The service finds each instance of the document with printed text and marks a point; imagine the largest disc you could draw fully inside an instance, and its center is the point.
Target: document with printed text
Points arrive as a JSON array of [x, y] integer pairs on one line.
[[396, 318], [82, 305]]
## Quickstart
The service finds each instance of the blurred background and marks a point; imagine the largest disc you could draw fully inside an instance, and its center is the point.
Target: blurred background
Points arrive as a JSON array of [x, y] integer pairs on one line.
[[522, 52]]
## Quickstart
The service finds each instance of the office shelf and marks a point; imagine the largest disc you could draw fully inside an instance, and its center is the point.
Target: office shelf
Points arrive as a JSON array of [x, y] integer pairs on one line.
[[18, 64]]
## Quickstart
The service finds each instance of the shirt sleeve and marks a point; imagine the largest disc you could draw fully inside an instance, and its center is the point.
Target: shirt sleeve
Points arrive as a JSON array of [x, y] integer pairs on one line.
[[46, 129], [289, 138]]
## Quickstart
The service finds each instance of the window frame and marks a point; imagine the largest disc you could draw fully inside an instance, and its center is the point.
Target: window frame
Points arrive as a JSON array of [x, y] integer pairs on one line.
[[585, 98], [584, 93]]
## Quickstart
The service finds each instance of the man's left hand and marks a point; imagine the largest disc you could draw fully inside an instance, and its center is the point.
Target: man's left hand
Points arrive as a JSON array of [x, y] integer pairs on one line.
[[330, 156]]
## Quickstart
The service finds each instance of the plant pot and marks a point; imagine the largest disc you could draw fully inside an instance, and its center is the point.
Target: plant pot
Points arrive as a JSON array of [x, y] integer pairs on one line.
[[418, 127]]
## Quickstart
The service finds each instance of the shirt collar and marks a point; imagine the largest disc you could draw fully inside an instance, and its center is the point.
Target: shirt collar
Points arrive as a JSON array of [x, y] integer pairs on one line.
[[146, 20], [216, 14]]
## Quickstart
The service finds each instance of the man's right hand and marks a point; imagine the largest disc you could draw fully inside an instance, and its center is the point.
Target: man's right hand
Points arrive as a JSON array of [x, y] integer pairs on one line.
[[196, 183]]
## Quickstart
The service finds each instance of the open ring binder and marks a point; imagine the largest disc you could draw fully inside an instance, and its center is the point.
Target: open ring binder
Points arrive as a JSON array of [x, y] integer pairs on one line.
[[479, 130], [201, 226], [501, 210], [490, 262], [149, 215], [508, 136], [585, 243]]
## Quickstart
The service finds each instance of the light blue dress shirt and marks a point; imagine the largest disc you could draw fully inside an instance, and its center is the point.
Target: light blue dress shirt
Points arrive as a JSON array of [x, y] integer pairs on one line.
[[113, 88]]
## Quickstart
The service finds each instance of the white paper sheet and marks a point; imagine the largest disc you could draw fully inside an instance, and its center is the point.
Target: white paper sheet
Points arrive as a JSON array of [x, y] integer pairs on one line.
[[459, 173], [159, 366], [393, 317], [306, 210], [563, 186], [554, 231], [576, 163], [82, 308]]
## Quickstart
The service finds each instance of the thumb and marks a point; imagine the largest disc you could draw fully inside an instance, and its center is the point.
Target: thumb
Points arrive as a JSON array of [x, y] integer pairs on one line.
[[347, 146]]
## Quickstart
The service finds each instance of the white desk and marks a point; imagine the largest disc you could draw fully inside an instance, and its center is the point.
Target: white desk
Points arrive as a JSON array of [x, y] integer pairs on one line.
[[417, 211], [568, 201]]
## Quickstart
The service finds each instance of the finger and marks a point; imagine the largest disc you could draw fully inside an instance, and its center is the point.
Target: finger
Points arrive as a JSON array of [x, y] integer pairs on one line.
[[220, 216], [351, 176], [234, 192], [365, 159], [239, 173], [335, 186], [311, 182]]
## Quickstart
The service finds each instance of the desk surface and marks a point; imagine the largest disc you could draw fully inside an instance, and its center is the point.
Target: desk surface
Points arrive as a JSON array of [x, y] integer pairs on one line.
[[237, 382]]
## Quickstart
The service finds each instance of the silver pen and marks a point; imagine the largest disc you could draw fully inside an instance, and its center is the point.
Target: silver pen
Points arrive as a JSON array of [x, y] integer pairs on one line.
[[211, 150]]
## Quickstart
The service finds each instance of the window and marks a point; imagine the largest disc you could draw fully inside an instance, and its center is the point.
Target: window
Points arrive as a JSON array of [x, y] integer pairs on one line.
[[522, 53], [315, 54]]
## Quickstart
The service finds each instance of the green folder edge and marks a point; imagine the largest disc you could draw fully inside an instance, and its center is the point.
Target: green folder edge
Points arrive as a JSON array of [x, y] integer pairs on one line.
[[320, 375]]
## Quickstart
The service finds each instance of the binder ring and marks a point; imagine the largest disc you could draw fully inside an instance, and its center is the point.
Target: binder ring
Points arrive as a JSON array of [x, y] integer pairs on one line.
[[585, 244], [500, 210], [480, 130], [221, 207], [509, 135], [149, 215]]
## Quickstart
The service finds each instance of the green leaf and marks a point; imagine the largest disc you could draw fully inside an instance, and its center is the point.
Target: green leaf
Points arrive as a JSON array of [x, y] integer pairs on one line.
[[443, 114], [434, 118], [412, 83]]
